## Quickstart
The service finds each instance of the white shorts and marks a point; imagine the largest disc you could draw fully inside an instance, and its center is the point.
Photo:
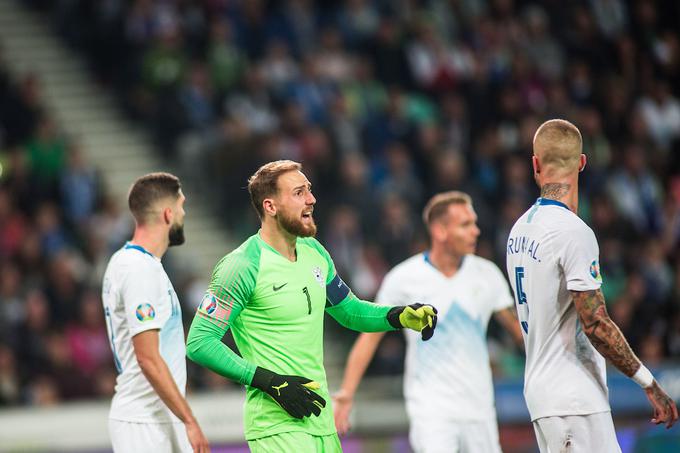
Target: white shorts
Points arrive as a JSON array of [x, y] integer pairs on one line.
[[127, 437], [577, 434], [454, 436]]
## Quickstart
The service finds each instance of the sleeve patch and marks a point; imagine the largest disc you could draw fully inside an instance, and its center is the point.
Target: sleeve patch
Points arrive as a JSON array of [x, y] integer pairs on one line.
[[336, 290], [215, 309], [595, 271], [145, 312]]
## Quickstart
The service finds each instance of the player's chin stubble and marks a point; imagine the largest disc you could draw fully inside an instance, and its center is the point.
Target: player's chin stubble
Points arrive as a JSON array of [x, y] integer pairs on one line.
[[295, 226]]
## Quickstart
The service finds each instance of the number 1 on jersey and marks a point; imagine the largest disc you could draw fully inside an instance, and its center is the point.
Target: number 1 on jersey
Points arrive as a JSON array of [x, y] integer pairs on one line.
[[309, 300], [522, 312]]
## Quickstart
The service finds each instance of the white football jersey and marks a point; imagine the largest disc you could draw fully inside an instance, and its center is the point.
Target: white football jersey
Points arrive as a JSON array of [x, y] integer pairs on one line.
[[550, 252], [138, 296], [454, 363]]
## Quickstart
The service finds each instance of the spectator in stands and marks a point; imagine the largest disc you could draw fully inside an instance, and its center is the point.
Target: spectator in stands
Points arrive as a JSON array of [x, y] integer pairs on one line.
[[636, 192], [46, 157], [80, 187], [87, 340], [10, 388]]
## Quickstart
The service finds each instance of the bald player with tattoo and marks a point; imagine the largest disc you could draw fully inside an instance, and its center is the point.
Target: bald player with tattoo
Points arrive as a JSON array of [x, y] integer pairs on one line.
[[553, 265]]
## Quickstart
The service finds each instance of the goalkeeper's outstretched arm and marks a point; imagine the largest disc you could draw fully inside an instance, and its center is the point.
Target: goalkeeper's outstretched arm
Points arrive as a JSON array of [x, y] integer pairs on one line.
[[362, 316]]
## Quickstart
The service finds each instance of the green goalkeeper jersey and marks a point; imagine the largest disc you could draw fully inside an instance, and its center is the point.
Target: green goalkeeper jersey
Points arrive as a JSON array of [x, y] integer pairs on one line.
[[275, 308]]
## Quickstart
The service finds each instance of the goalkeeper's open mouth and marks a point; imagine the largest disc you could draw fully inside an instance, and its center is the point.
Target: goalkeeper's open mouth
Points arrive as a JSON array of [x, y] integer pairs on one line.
[[307, 215]]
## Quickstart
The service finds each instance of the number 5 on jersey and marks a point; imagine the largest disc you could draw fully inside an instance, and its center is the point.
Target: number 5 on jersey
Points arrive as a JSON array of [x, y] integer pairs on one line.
[[522, 304]]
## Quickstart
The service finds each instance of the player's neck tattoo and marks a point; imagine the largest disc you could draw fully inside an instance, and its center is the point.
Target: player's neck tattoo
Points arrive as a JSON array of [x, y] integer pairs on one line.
[[555, 190]]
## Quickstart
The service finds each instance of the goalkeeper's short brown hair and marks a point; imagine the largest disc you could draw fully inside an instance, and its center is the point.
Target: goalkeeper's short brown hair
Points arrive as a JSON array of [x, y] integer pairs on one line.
[[264, 182]]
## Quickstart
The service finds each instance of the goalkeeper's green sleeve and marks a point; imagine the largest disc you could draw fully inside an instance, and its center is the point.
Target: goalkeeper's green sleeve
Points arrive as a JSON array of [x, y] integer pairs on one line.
[[360, 315], [363, 316], [205, 347]]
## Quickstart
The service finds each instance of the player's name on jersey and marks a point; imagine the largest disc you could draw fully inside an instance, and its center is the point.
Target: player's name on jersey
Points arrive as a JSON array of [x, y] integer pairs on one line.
[[524, 244]]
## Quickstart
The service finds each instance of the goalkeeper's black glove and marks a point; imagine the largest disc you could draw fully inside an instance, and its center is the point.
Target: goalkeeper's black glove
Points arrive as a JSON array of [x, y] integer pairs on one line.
[[418, 317], [292, 393]]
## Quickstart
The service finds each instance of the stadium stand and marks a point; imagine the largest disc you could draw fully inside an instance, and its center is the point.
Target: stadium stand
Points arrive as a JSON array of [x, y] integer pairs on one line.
[[392, 102], [385, 103]]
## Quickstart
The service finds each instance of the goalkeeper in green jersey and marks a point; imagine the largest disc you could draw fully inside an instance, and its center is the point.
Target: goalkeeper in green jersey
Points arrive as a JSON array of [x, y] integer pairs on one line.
[[272, 292]]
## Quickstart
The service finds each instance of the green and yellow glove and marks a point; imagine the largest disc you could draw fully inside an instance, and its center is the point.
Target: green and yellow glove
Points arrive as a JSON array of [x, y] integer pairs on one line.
[[293, 393], [418, 317]]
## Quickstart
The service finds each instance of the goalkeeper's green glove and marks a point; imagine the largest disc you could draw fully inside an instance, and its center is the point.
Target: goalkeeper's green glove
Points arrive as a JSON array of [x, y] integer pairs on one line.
[[418, 317], [293, 393]]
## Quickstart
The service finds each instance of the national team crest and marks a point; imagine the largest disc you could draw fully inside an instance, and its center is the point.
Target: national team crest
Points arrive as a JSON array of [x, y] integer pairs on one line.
[[318, 276], [145, 312], [595, 271]]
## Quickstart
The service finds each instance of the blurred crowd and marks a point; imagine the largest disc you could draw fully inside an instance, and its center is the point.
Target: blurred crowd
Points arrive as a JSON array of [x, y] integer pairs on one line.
[[57, 229], [385, 103]]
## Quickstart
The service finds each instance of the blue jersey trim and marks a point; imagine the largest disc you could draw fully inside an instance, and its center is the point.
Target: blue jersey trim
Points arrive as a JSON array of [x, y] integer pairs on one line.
[[426, 258], [112, 340], [137, 247], [549, 202]]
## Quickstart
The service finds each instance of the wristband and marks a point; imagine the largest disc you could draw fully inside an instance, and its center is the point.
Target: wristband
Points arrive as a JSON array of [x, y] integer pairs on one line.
[[643, 377]]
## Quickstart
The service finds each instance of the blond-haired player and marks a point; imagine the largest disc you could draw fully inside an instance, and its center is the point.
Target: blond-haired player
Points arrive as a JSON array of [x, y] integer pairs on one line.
[[467, 290], [553, 265]]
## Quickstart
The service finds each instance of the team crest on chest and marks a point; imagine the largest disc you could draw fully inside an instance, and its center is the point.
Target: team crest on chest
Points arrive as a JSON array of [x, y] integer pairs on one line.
[[318, 276]]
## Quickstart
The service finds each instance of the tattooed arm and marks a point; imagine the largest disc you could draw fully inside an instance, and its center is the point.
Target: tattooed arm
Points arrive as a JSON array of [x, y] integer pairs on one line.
[[606, 337]]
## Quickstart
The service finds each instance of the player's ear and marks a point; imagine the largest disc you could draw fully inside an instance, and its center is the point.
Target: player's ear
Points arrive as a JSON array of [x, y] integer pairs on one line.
[[536, 164], [582, 164], [168, 215], [269, 207], [437, 231]]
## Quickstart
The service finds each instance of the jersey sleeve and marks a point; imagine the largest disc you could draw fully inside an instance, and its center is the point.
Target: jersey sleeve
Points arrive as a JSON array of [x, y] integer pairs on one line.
[[231, 286], [144, 310], [360, 315], [578, 257]]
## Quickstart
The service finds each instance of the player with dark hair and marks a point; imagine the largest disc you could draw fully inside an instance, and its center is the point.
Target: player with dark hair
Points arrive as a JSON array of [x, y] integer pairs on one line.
[[144, 321]]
